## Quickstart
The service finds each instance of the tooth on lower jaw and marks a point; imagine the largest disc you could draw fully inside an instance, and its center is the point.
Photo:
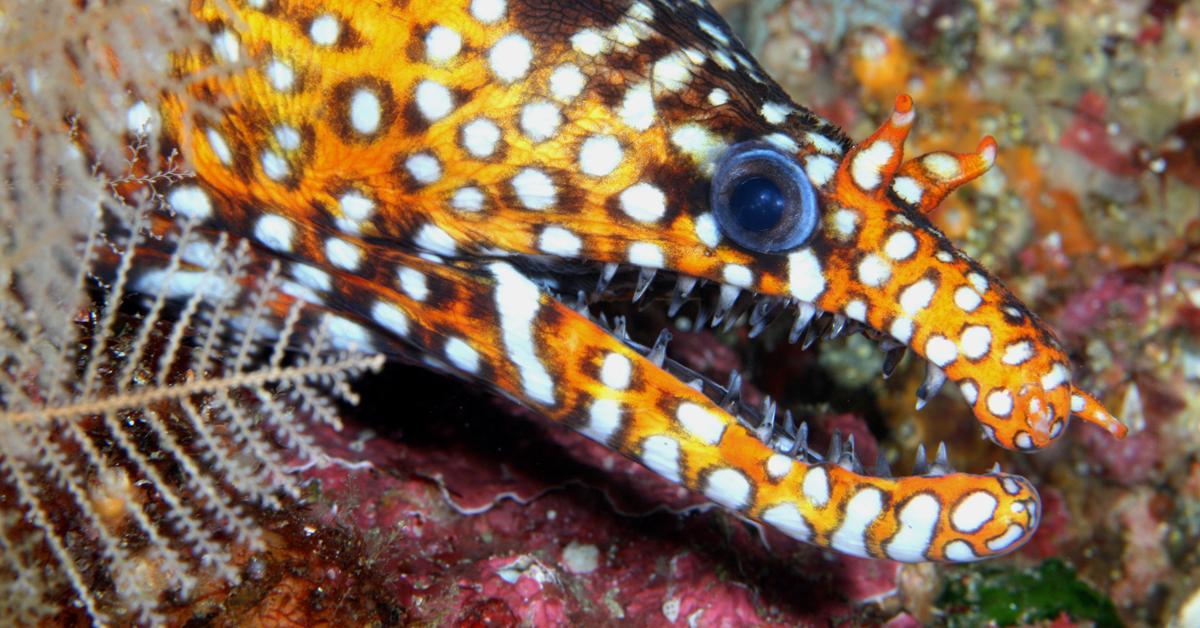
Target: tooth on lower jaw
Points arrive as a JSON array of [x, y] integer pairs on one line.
[[835, 448], [619, 329], [645, 276], [800, 445], [848, 459], [882, 468], [921, 465], [934, 378], [804, 315], [941, 462], [733, 392], [767, 427], [683, 288], [658, 354]]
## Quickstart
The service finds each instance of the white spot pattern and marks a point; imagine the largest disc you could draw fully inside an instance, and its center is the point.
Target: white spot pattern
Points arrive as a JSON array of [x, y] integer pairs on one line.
[[861, 512], [540, 120], [413, 283], [480, 136], [661, 455], [325, 30], [275, 232], [434, 100], [700, 422], [343, 254], [975, 510], [534, 189], [365, 111], [616, 371], [517, 301], [559, 241], [511, 57], [728, 487], [600, 155], [643, 202], [804, 275]]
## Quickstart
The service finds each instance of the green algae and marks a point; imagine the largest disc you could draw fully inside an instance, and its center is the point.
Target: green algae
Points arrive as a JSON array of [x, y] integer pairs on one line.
[[1007, 596]]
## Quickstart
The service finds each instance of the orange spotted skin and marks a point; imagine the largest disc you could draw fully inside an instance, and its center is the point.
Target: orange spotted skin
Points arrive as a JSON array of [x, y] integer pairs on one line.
[[423, 169]]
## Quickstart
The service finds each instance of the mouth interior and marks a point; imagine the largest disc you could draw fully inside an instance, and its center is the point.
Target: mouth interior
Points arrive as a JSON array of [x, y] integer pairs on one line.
[[629, 301]]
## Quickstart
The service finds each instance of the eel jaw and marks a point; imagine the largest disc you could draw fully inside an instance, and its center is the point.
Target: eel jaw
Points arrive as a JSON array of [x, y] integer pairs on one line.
[[856, 510], [904, 276], [613, 295], [938, 303]]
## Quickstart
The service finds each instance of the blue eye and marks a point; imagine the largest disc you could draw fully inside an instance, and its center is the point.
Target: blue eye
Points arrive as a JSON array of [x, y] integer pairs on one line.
[[762, 198], [757, 204]]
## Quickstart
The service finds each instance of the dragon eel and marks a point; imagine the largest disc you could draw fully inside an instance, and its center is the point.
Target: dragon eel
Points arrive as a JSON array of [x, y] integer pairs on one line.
[[465, 182]]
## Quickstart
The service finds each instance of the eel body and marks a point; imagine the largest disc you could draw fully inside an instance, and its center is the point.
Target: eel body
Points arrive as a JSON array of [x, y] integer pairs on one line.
[[467, 183]]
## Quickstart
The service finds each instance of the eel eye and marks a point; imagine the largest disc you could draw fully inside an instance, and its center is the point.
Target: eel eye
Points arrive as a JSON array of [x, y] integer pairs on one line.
[[762, 198]]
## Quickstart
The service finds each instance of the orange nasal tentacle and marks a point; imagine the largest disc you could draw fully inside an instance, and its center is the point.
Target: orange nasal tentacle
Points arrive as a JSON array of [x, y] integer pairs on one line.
[[872, 164], [927, 180], [1086, 407]]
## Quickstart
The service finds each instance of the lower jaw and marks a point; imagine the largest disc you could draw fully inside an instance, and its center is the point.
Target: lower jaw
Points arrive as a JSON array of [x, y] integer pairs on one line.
[[647, 309]]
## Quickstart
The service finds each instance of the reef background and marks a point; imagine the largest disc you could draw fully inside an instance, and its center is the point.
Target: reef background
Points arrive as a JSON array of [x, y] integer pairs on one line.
[[472, 512], [1092, 216]]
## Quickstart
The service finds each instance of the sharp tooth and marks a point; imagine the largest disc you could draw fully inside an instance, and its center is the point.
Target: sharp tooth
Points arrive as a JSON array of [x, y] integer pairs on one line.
[[645, 277], [849, 460], [941, 462], [804, 315], [800, 444], [619, 328], [683, 289], [839, 324], [701, 317], [882, 468], [581, 304], [732, 319], [763, 314], [763, 308], [934, 378], [729, 295], [767, 427], [606, 275], [734, 391], [891, 360], [835, 448], [659, 353], [789, 424], [814, 332], [996, 468], [697, 384], [921, 464]]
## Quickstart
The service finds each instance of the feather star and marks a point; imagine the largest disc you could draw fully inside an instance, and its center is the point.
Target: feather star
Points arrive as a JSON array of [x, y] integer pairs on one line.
[[433, 174]]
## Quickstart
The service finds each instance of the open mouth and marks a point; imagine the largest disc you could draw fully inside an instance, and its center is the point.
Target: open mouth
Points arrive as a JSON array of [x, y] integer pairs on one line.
[[629, 302]]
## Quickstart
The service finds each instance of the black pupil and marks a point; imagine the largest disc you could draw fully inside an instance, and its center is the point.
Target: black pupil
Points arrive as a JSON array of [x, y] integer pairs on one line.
[[757, 204]]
